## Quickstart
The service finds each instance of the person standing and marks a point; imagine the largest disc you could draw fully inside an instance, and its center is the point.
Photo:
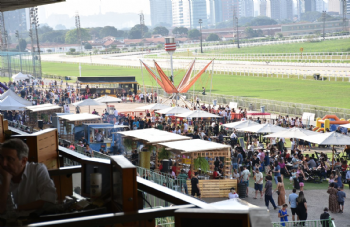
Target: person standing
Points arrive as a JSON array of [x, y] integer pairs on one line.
[[258, 183], [333, 202], [195, 186], [183, 177], [277, 172], [293, 204], [268, 193], [245, 178], [302, 208], [283, 214], [340, 196], [325, 218], [281, 192]]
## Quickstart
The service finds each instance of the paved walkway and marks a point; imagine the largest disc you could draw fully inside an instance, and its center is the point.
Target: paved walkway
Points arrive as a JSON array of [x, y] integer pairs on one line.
[[316, 201]]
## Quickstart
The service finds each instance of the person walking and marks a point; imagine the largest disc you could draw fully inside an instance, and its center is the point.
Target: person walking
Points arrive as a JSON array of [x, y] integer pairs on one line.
[[333, 205], [293, 204], [268, 193], [183, 177], [283, 214], [340, 196], [302, 208], [258, 183], [281, 192], [195, 186], [277, 172], [245, 178], [325, 218]]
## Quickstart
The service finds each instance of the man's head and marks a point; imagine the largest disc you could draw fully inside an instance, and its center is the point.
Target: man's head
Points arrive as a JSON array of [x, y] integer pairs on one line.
[[294, 190], [257, 170], [14, 156], [325, 209]]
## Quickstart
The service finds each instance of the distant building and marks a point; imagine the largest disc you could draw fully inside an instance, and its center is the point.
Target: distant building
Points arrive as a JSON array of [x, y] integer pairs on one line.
[[161, 12], [15, 20], [335, 6], [286, 10], [321, 5], [229, 9], [309, 28], [279, 9], [187, 13], [246, 8], [273, 9], [215, 12], [262, 7]]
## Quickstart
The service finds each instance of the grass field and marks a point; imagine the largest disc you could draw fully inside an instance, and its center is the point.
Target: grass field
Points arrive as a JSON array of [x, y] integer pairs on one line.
[[322, 93], [341, 45]]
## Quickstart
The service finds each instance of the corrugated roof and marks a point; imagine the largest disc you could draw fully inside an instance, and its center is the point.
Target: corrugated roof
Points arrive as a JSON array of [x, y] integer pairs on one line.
[[188, 146]]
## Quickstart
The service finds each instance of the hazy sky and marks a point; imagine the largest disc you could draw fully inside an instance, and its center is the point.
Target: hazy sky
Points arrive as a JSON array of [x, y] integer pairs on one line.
[[90, 7]]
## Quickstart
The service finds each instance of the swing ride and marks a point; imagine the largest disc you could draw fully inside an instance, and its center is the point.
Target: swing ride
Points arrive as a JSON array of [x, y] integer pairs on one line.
[[166, 83]]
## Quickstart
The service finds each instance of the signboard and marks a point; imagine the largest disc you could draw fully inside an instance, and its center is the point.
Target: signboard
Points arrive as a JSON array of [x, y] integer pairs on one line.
[[301, 49], [233, 105], [186, 161]]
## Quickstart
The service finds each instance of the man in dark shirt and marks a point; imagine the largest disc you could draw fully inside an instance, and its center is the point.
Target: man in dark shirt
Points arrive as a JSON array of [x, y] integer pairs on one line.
[[195, 135], [268, 193], [255, 162], [325, 218], [195, 186], [221, 138]]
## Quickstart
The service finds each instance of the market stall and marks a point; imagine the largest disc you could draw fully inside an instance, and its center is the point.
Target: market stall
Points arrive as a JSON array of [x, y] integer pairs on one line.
[[200, 155], [41, 112]]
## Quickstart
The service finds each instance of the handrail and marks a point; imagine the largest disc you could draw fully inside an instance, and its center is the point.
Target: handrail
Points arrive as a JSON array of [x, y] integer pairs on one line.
[[310, 223]]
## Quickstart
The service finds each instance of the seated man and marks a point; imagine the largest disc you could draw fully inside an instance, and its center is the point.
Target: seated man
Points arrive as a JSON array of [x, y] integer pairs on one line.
[[29, 183], [99, 137]]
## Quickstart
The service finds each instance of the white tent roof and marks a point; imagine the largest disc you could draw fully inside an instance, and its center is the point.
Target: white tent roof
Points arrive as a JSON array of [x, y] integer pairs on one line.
[[173, 110], [156, 106], [296, 133], [345, 126], [188, 146], [240, 124], [10, 103], [79, 117], [198, 114], [328, 138], [21, 76], [43, 107], [13, 94], [88, 102], [233, 204], [108, 99], [152, 135], [263, 128]]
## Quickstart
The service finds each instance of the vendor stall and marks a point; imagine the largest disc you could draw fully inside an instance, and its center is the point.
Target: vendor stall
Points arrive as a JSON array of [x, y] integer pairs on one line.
[[193, 153], [41, 112]]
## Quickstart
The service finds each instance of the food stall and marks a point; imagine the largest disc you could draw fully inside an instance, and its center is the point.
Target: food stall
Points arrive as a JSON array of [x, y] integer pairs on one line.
[[188, 153], [42, 112]]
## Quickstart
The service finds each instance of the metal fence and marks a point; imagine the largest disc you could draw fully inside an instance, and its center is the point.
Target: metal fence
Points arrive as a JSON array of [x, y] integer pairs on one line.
[[309, 223]]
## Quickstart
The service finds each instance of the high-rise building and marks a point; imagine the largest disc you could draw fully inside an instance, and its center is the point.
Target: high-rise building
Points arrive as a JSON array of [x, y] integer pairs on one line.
[[321, 5], [15, 20], [310, 5], [273, 9], [161, 12], [262, 7], [215, 11], [188, 12], [229, 9], [286, 9], [279, 9], [335, 6], [348, 8], [246, 8]]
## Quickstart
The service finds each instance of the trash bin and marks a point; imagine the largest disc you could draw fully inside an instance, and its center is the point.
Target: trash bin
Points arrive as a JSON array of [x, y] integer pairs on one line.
[[166, 166], [250, 107], [242, 188], [262, 108]]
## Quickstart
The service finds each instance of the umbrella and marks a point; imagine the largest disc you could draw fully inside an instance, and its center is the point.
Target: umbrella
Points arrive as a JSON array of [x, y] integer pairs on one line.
[[10, 103], [263, 128], [240, 124], [173, 110], [329, 138], [198, 114], [13, 95], [345, 126], [156, 106], [107, 99], [296, 133], [88, 102]]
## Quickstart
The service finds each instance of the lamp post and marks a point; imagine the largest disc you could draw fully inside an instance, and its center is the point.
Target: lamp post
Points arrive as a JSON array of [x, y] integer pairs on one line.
[[19, 49], [200, 26], [324, 23]]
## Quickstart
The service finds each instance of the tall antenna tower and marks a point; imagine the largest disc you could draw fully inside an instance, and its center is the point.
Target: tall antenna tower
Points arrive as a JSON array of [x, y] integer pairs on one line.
[[33, 33], [142, 23], [344, 15], [77, 25], [235, 24]]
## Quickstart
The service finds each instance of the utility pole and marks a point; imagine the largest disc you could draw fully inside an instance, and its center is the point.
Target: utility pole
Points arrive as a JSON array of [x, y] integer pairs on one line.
[[235, 24], [344, 15], [77, 25], [200, 25], [19, 49], [3, 43], [324, 24], [142, 23], [34, 23]]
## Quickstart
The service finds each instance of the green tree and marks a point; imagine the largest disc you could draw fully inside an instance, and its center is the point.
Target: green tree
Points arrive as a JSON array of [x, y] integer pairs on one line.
[[262, 20], [22, 45], [108, 31], [121, 33], [138, 27], [147, 35], [213, 37], [135, 34], [72, 50], [180, 31], [250, 33], [161, 31], [310, 16], [60, 27], [44, 29], [95, 32], [279, 35], [71, 36], [194, 33], [53, 37], [88, 46]]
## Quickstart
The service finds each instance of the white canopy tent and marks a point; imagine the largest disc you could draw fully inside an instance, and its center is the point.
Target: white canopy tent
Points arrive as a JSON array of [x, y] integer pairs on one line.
[[173, 110], [345, 126], [88, 102], [10, 103], [263, 128], [108, 99], [79, 117], [198, 114], [43, 107], [240, 124], [16, 97], [21, 76], [156, 106], [188, 146], [296, 133]]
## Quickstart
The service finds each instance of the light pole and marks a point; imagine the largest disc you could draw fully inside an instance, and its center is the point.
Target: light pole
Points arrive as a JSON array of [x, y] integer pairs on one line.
[[19, 49], [237, 32], [200, 25], [324, 23]]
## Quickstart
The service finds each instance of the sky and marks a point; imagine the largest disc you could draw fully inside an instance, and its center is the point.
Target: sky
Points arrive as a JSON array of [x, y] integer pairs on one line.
[[91, 7]]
